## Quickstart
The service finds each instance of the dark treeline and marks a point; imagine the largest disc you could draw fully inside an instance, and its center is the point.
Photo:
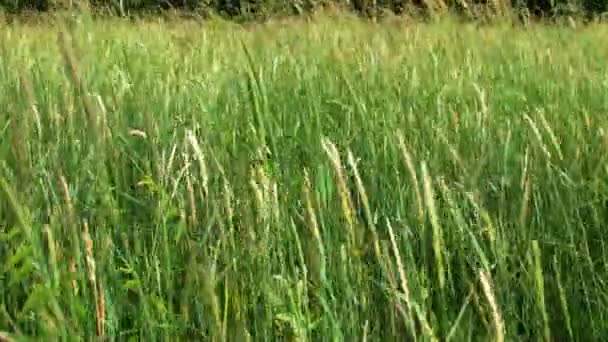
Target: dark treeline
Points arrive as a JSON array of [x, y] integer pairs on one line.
[[371, 8]]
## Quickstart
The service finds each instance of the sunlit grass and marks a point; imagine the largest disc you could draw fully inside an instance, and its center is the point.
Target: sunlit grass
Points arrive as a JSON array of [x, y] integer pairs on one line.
[[328, 180]]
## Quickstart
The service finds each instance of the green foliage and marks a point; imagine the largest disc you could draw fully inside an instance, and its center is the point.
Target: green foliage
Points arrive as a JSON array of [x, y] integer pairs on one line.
[[333, 179], [260, 10]]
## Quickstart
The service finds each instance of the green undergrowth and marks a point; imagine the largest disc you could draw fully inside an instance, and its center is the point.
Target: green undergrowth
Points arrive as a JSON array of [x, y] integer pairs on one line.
[[327, 180]]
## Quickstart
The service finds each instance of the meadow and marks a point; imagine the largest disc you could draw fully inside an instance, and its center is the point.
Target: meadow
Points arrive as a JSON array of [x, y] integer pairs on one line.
[[321, 179]]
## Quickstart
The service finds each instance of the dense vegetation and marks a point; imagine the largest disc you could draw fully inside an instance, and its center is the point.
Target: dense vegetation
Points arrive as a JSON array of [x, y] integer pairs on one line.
[[328, 180], [263, 9]]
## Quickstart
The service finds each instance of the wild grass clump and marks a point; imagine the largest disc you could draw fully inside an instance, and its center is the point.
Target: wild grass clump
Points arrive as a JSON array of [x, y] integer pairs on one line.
[[332, 179]]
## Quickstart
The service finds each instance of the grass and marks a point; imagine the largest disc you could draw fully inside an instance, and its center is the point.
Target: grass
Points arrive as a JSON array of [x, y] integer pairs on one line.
[[321, 180]]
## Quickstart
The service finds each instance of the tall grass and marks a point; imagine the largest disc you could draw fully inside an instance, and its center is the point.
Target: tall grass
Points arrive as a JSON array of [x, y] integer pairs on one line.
[[329, 180]]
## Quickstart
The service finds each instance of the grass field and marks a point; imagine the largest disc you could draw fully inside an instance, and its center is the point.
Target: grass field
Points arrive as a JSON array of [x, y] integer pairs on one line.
[[322, 180]]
